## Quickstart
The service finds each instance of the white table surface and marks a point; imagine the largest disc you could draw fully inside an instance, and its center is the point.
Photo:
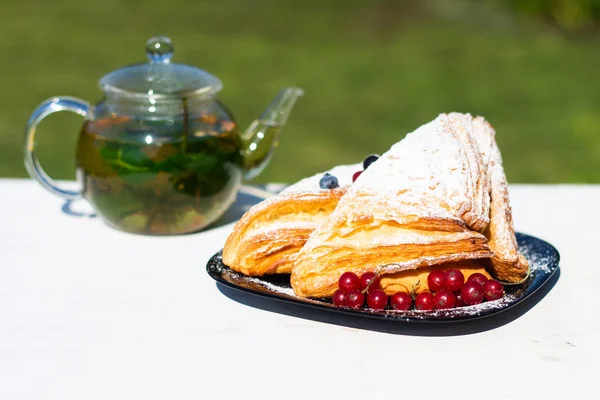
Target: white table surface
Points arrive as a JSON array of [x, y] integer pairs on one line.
[[88, 312]]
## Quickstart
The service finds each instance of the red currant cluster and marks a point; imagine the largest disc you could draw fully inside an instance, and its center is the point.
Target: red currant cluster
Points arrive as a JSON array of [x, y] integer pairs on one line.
[[352, 290], [447, 289]]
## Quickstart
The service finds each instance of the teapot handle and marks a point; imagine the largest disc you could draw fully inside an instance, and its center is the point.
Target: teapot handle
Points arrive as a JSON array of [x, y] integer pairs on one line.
[[50, 106]]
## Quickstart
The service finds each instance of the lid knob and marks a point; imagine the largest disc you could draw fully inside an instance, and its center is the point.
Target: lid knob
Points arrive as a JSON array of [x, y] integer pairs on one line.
[[159, 50]]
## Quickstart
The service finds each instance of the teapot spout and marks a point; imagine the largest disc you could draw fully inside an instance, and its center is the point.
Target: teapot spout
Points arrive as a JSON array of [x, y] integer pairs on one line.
[[261, 136]]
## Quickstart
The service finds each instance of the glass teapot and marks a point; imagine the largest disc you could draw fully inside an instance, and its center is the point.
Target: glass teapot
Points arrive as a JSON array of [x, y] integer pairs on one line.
[[160, 154]]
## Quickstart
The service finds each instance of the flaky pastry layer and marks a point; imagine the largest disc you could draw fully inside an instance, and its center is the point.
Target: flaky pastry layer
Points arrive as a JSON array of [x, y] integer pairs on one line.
[[266, 239], [437, 196], [385, 250]]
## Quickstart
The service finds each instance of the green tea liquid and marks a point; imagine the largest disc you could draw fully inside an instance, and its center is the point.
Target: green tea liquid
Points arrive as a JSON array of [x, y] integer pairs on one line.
[[160, 178]]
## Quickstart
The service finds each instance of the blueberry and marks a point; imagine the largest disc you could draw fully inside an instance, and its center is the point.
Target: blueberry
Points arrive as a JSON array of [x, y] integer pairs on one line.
[[370, 160], [328, 181]]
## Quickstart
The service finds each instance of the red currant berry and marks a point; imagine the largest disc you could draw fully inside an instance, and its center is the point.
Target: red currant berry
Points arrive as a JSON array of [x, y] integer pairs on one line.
[[400, 301], [377, 299], [349, 282], [472, 293], [435, 280], [370, 280], [477, 277], [339, 298], [493, 290], [444, 299], [453, 280], [356, 175], [459, 302], [425, 301], [355, 299]]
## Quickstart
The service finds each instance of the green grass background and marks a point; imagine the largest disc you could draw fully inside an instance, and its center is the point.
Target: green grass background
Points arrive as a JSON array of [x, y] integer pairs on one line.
[[372, 71]]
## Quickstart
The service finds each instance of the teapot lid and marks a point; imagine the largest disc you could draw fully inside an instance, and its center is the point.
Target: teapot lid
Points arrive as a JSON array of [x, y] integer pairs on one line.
[[160, 77]]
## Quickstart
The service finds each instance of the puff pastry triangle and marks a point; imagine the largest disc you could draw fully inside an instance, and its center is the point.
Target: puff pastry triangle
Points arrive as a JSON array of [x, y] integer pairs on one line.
[[268, 236], [506, 264], [424, 202]]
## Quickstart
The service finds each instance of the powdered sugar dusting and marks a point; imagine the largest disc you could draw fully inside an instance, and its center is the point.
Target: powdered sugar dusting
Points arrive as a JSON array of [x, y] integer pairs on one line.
[[272, 287], [539, 261], [425, 170], [343, 173], [425, 175]]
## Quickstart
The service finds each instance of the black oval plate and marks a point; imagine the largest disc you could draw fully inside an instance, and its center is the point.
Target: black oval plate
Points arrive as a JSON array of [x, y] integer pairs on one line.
[[542, 256]]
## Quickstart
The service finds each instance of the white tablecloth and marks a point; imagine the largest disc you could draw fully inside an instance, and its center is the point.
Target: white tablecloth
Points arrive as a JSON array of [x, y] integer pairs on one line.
[[88, 312]]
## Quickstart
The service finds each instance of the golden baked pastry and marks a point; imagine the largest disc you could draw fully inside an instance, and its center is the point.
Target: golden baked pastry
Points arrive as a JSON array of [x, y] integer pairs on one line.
[[268, 236], [428, 201], [507, 264]]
